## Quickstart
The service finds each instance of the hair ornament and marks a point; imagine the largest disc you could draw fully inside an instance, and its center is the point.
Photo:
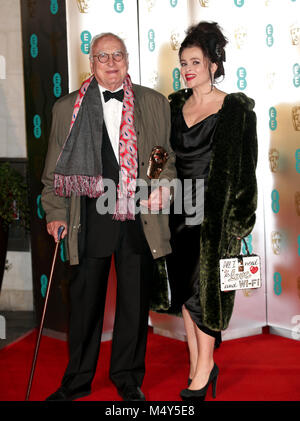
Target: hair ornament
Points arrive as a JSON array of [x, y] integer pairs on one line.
[[220, 53]]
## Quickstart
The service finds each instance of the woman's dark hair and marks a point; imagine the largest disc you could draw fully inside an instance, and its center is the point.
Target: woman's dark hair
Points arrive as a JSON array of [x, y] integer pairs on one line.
[[209, 37]]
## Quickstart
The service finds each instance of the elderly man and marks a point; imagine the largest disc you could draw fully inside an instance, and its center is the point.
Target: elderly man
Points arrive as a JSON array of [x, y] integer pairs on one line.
[[106, 131]]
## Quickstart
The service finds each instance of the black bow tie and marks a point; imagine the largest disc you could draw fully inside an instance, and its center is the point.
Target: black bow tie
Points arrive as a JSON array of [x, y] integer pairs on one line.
[[119, 95]]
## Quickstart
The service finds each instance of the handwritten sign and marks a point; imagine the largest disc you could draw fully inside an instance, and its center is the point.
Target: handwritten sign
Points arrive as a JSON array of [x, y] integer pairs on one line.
[[240, 273]]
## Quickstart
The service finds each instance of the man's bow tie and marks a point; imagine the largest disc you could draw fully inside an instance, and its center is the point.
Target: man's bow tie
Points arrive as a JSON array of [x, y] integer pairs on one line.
[[119, 95]]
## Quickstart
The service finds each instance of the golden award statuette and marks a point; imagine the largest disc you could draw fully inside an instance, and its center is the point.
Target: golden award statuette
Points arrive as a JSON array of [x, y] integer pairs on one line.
[[157, 160]]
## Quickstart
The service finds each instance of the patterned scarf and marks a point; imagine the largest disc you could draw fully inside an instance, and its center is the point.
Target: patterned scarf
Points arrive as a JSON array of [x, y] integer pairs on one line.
[[79, 166]]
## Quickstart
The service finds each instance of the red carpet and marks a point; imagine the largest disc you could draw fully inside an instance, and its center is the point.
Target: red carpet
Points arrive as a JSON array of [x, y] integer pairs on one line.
[[258, 368]]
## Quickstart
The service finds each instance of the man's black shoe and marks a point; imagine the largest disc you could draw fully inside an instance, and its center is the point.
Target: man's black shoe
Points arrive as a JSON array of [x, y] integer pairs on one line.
[[131, 393], [63, 394]]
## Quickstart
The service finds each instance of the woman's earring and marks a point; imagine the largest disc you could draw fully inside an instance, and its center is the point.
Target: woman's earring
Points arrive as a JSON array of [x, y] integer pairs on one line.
[[182, 83], [212, 80]]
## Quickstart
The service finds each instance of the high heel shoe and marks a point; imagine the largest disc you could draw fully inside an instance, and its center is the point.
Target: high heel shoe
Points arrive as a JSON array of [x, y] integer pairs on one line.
[[188, 394]]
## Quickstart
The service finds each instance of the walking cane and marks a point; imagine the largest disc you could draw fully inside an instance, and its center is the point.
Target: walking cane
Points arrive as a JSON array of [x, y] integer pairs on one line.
[[59, 233]]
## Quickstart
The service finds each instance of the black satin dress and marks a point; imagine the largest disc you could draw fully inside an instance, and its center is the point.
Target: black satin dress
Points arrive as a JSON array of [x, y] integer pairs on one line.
[[193, 148]]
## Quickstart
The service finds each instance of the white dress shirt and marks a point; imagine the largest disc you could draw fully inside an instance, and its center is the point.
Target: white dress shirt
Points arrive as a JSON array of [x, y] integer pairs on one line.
[[112, 113]]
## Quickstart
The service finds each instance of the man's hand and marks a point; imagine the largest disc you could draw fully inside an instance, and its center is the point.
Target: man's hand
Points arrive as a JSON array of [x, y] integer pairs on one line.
[[52, 228], [159, 199]]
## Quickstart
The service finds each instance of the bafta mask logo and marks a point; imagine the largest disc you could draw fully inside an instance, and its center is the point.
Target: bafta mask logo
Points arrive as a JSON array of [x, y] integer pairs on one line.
[[153, 78], [270, 79], [247, 292], [83, 5], [83, 76], [276, 238], [240, 36], [274, 159], [174, 40], [296, 117], [150, 5], [295, 33], [204, 3], [297, 202]]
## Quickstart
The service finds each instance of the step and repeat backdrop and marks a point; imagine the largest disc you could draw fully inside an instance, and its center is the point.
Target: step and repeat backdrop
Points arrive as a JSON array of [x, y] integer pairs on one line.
[[262, 60]]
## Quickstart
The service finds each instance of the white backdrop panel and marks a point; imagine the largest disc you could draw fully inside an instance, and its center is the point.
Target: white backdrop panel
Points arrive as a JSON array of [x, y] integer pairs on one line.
[[86, 18], [263, 61]]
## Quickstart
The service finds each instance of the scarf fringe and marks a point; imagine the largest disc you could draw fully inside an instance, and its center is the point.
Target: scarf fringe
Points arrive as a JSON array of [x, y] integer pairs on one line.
[[65, 185], [92, 186], [125, 209]]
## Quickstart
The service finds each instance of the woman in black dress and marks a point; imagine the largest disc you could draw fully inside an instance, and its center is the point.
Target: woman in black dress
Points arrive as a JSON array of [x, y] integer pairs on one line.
[[214, 139]]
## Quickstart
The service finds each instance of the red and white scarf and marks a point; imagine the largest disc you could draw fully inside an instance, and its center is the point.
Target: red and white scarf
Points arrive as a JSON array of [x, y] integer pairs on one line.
[[67, 178]]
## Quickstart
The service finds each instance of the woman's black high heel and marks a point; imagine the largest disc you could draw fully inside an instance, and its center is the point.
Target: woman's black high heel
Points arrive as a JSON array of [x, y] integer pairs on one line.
[[187, 394]]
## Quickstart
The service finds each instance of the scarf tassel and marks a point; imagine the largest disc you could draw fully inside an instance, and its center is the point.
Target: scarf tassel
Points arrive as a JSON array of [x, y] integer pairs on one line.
[[65, 185], [125, 209]]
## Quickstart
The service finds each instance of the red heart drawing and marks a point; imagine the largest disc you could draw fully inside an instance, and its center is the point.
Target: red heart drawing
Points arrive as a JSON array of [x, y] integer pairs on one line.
[[253, 269]]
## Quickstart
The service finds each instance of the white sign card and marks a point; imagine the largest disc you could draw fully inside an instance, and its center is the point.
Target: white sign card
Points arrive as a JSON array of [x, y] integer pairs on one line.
[[240, 273]]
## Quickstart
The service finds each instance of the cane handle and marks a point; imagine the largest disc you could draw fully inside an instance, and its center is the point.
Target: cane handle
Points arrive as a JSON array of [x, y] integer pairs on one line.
[[59, 232]]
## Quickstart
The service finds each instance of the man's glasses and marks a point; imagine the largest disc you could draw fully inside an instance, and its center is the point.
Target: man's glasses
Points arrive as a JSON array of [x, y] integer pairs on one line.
[[104, 57]]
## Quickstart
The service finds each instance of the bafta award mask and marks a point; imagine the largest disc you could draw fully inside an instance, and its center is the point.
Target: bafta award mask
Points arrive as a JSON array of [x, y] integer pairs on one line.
[[150, 4], [276, 239], [157, 160], [204, 3], [174, 40], [295, 34], [83, 5], [296, 117], [240, 36], [274, 159]]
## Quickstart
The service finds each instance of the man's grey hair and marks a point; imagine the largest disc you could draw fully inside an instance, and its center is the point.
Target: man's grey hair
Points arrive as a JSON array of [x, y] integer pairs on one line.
[[102, 35]]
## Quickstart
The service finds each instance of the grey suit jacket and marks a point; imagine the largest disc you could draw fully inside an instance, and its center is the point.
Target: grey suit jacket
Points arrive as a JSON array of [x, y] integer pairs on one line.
[[152, 124]]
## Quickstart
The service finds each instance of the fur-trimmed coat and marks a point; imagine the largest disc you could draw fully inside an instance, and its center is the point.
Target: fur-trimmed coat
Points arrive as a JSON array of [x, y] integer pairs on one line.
[[230, 200]]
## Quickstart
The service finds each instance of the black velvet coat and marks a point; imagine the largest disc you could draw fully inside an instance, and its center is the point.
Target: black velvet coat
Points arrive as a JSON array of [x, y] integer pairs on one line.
[[230, 200]]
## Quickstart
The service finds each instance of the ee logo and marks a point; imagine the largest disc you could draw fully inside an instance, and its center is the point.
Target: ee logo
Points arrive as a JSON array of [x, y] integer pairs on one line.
[[119, 6], [248, 240], [40, 210], [269, 32], [277, 283], [275, 201], [241, 74], [298, 245], [173, 3], [37, 131], [44, 283], [239, 3], [57, 85], [53, 7], [272, 121], [296, 71], [151, 40], [85, 37], [176, 79], [297, 156], [34, 50]]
